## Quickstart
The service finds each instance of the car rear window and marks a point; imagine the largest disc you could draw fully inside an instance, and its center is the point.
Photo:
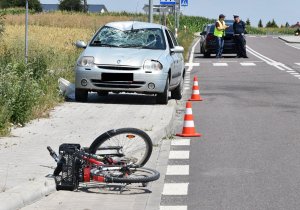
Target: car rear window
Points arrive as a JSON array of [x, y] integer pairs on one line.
[[229, 30]]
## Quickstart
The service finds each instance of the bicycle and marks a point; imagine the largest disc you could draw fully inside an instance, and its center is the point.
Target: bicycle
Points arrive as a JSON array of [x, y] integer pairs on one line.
[[116, 156]]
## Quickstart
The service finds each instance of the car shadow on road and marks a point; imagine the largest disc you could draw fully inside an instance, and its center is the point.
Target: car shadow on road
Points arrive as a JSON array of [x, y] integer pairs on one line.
[[122, 98], [224, 56]]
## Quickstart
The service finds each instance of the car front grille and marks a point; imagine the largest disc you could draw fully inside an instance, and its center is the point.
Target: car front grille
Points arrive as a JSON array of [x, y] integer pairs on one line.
[[118, 67]]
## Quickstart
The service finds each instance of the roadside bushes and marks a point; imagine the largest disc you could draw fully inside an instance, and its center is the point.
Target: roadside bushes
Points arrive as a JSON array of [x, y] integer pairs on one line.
[[19, 92]]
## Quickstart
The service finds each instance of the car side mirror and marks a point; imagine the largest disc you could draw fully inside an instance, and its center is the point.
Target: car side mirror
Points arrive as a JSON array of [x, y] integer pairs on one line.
[[177, 49], [203, 33], [81, 44]]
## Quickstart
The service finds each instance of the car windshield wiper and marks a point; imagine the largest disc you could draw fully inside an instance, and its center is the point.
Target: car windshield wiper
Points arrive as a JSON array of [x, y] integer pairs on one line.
[[97, 43], [131, 46]]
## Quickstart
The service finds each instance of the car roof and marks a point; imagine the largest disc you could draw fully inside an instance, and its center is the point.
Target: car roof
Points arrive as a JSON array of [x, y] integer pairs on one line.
[[128, 25]]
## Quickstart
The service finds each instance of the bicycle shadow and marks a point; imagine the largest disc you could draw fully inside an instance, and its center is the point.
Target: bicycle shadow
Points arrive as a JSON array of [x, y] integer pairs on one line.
[[114, 189]]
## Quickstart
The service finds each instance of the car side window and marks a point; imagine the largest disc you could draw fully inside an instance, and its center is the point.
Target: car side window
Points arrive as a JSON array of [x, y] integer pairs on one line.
[[173, 38], [171, 45]]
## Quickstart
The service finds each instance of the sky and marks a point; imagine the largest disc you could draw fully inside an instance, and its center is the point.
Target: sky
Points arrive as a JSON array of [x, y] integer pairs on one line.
[[281, 10]]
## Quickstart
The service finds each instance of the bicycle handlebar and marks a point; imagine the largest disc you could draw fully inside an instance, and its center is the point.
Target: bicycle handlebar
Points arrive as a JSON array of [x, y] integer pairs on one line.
[[53, 154]]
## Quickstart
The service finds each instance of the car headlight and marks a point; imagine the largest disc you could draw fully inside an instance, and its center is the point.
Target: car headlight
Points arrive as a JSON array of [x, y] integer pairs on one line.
[[152, 65], [86, 61]]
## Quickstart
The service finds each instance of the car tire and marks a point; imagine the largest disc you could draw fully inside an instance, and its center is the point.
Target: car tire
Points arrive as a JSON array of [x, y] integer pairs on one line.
[[81, 95], [206, 54], [163, 98], [178, 91]]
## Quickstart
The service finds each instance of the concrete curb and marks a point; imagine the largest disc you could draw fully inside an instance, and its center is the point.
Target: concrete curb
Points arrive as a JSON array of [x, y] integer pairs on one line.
[[26, 193], [289, 40], [32, 191]]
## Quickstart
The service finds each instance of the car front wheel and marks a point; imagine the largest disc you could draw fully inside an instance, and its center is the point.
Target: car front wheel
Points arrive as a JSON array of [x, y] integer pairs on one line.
[[163, 98], [81, 95], [178, 91]]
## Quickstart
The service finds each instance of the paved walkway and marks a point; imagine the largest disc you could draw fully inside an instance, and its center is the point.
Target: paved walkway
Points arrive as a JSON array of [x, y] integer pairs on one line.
[[290, 39], [24, 158]]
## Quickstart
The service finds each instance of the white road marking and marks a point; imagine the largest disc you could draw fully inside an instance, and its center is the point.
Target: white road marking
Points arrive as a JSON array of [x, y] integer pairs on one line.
[[173, 208], [297, 75], [290, 71], [181, 142], [192, 57], [192, 64], [175, 189], [181, 155], [220, 64], [178, 170], [269, 61], [186, 88], [252, 36], [248, 64], [294, 73], [297, 64]]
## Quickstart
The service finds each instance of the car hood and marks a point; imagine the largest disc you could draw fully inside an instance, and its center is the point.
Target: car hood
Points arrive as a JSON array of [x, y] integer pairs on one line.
[[121, 56]]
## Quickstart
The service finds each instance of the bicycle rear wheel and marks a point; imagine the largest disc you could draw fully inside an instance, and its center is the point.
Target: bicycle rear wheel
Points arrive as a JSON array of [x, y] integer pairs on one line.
[[135, 144], [139, 175]]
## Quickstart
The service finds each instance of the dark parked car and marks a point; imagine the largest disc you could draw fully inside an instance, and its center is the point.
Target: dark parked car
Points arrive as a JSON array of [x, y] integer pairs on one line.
[[208, 42]]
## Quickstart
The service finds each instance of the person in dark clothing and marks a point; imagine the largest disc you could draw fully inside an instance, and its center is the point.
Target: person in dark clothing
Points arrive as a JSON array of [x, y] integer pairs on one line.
[[239, 29]]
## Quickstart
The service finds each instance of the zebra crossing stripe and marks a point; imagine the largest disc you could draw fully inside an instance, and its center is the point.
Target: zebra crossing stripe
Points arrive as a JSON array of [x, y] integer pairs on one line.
[[177, 170], [173, 208], [220, 64], [175, 189], [181, 142], [192, 64], [248, 64], [179, 155]]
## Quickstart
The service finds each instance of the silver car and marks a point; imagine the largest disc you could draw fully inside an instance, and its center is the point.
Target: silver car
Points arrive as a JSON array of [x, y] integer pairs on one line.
[[131, 57]]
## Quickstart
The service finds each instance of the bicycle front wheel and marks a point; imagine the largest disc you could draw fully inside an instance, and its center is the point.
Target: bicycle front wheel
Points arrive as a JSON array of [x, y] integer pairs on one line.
[[134, 144]]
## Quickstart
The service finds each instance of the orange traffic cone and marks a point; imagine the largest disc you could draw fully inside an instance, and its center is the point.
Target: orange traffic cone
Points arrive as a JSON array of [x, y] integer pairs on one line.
[[196, 93], [189, 127]]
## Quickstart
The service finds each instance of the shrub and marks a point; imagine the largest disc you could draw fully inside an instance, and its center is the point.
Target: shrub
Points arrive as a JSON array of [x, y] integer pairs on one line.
[[32, 4], [19, 93]]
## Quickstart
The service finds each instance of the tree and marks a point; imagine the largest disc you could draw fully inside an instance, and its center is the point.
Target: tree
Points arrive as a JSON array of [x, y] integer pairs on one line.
[[32, 4], [271, 24], [274, 25], [287, 25], [70, 5], [248, 23], [260, 25]]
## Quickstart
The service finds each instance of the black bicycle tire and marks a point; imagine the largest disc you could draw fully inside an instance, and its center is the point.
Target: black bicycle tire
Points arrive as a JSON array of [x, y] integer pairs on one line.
[[111, 133], [130, 180]]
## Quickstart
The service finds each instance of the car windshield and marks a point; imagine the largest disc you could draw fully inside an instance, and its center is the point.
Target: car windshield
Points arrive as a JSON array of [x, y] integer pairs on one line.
[[149, 38]]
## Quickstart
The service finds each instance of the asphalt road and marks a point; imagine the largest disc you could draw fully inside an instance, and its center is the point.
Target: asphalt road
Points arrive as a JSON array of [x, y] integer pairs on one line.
[[249, 154]]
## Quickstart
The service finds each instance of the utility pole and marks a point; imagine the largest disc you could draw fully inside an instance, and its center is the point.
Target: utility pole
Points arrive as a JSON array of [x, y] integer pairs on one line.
[[150, 11], [85, 6], [26, 33]]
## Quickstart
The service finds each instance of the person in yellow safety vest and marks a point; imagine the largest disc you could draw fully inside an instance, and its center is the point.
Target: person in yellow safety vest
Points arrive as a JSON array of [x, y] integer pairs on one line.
[[219, 33]]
